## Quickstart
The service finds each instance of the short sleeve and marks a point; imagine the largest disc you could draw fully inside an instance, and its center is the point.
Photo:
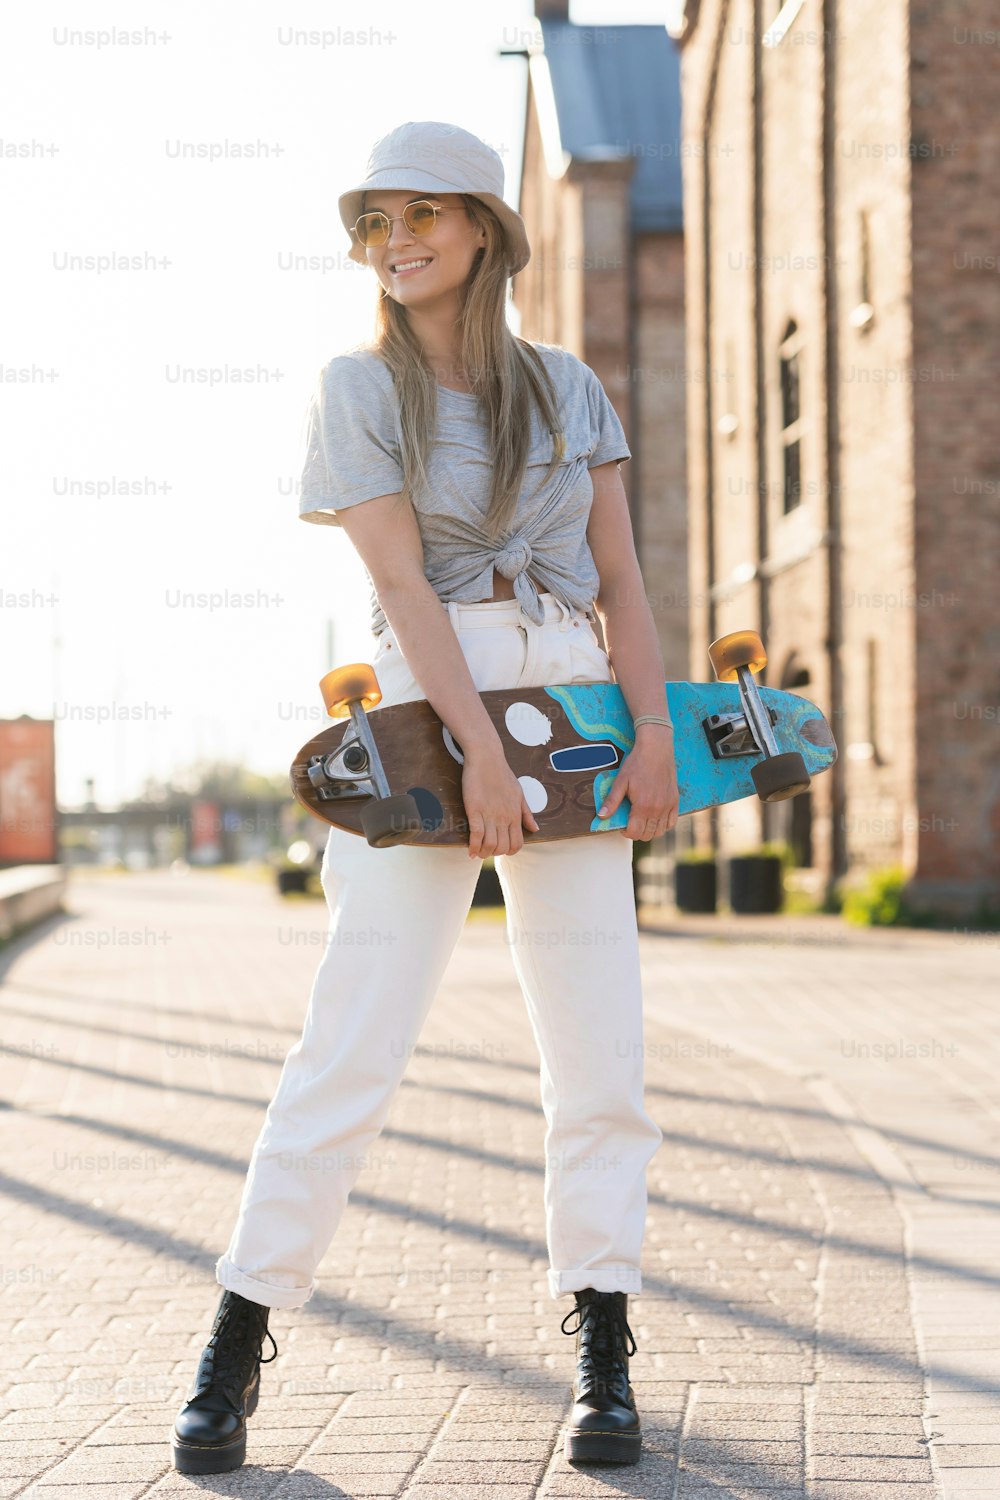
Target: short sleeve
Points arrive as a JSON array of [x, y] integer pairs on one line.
[[351, 450], [606, 430]]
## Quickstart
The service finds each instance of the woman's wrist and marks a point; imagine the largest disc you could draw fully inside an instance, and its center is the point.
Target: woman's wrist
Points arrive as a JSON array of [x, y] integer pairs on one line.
[[481, 746]]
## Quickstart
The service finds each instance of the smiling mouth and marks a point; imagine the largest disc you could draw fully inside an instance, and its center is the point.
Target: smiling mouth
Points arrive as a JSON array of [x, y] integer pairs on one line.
[[403, 266]]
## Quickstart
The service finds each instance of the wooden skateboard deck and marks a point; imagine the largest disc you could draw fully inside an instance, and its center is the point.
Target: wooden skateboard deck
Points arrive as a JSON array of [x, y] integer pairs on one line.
[[564, 744]]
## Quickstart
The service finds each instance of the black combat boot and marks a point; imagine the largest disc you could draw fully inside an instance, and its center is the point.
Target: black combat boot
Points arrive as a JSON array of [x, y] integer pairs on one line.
[[604, 1423], [210, 1433]]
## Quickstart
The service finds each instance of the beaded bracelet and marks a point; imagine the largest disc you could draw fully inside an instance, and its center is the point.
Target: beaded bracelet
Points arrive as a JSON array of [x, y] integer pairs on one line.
[[652, 719]]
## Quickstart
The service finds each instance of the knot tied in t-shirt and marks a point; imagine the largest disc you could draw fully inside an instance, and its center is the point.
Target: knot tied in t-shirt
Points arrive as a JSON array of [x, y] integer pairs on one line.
[[514, 558]]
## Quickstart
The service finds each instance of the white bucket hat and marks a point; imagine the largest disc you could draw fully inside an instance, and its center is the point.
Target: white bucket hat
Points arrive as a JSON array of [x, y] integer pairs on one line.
[[437, 158]]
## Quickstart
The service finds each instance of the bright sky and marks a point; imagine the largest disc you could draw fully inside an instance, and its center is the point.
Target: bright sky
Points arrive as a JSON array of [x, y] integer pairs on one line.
[[94, 626]]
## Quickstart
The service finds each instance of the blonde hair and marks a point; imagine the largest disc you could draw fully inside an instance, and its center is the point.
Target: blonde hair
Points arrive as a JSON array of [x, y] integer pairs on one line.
[[505, 371]]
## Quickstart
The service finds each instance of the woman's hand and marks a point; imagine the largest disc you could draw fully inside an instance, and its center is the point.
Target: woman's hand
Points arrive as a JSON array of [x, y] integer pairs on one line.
[[494, 804], [648, 778]]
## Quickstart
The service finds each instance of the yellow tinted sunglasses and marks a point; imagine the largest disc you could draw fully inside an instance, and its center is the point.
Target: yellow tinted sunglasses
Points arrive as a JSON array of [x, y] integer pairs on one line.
[[374, 228]]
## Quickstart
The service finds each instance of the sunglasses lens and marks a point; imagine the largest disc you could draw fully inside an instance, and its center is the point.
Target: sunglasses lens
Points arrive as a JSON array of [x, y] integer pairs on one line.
[[420, 218], [373, 229]]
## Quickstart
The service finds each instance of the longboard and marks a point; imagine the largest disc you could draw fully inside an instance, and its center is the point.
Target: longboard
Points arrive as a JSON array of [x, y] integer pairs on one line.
[[564, 744]]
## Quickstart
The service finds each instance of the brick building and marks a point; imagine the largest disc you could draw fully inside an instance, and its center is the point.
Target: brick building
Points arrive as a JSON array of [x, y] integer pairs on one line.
[[601, 195], [843, 301]]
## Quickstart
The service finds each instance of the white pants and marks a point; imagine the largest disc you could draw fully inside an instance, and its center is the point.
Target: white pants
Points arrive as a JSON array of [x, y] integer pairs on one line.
[[584, 1002]]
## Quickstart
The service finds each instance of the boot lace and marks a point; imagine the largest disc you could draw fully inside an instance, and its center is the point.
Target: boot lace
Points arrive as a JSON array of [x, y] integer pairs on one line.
[[604, 1337], [235, 1350]]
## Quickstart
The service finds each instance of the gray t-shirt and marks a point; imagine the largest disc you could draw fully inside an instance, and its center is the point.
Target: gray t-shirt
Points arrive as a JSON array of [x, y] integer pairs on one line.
[[353, 454]]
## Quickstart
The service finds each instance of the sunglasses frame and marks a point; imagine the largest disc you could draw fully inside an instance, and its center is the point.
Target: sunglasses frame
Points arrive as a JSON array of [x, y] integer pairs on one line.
[[439, 208]]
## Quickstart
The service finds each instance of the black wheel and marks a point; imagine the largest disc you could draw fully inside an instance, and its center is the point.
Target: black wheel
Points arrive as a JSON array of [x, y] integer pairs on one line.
[[780, 776], [390, 819]]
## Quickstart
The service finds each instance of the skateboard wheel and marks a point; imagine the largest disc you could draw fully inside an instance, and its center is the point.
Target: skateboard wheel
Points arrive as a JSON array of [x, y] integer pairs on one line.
[[780, 776], [390, 819], [741, 648], [345, 685]]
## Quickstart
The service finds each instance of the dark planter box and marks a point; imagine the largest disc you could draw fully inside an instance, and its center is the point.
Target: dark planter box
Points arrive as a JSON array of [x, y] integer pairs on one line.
[[292, 880], [694, 886], [755, 883]]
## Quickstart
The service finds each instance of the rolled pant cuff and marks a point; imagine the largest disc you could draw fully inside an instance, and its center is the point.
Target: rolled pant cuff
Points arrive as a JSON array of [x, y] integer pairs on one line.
[[601, 1278], [267, 1293]]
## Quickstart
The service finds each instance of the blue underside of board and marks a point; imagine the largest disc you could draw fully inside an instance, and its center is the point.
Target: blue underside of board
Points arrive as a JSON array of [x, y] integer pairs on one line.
[[598, 712]]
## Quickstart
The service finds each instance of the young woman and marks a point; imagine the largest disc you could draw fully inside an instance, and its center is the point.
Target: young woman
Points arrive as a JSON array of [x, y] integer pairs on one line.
[[477, 476]]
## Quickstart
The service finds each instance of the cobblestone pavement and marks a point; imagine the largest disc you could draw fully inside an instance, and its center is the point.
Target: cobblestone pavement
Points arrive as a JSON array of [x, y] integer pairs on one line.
[[819, 1314]]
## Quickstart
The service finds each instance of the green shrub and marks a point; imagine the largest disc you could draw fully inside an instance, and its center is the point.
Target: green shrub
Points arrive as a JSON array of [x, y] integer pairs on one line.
[[879, 901], [833, 902], [696, 857]]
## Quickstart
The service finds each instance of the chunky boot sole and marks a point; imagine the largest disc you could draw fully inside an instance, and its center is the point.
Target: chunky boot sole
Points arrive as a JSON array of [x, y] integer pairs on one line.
[[213, 1458], [602, 1447], [190, 1458]]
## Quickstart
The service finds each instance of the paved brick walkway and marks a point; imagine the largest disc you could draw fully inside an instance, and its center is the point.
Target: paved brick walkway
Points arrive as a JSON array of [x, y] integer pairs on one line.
[[819, 1314]]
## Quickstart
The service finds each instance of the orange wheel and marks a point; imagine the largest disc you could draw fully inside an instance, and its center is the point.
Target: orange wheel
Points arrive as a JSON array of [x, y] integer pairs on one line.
[[344, 685], [741, 648]]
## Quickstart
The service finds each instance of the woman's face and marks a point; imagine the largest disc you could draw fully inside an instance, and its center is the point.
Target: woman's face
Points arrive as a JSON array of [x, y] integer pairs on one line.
[[446, 254]]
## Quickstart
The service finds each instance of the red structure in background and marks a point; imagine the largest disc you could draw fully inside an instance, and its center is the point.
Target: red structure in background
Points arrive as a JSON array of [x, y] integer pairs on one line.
[[206, 833], [28, 832]]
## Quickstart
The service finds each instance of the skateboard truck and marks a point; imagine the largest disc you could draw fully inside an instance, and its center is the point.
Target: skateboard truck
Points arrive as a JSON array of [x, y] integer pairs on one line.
[[355, 768], [344, 772], [736, 658], [730, 735]]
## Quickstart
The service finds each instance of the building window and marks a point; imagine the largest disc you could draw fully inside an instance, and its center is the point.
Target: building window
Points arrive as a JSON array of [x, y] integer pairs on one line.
[[728, 422], [863, 312], [872, 699], [798, 810], [791, 418]]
